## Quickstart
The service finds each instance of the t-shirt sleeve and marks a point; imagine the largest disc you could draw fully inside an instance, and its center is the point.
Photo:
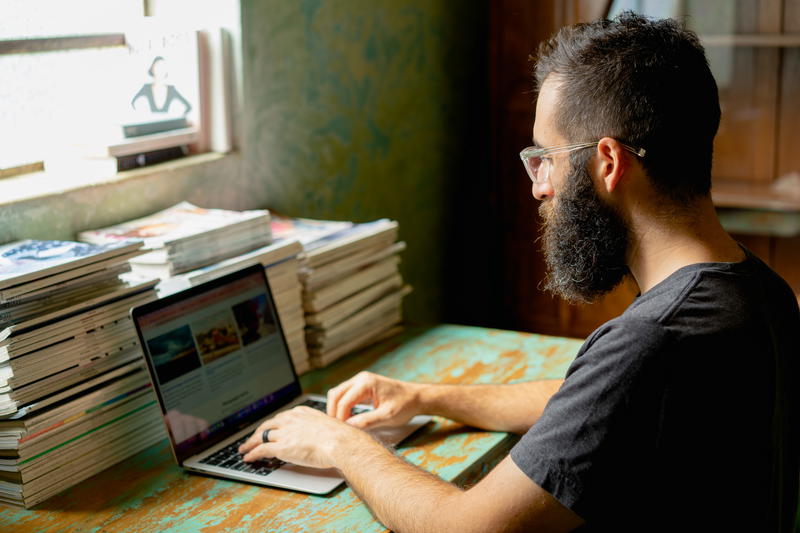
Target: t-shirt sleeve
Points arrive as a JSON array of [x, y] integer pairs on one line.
[[581, 449]]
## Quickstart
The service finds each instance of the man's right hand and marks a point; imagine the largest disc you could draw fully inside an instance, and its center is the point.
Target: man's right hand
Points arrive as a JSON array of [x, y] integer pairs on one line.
[[394, 402]]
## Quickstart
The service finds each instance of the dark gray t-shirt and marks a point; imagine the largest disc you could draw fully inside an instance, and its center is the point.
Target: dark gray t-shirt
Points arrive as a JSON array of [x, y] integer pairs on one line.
[[680, 414]]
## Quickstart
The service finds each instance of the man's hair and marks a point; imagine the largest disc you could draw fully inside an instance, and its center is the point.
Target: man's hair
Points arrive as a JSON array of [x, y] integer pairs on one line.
[[643, 82]]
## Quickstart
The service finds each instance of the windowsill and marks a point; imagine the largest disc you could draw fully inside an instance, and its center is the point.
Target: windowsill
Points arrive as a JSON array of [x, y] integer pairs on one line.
[[40, 185]]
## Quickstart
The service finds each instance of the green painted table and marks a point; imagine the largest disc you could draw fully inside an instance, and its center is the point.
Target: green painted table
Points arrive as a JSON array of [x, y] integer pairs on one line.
[[148, 492]]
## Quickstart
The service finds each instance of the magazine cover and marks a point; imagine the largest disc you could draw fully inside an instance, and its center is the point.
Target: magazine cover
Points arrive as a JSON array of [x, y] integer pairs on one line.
[[179, 222], [160, 82], [32, 259], [305, 230], [149, 100]]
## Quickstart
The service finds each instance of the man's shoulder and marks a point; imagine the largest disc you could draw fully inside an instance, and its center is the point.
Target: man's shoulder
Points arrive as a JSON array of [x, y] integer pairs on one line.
[[697, 302], [724, 291]]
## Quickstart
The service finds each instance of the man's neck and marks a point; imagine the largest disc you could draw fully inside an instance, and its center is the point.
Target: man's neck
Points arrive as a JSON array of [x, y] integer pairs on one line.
[[662, 245]]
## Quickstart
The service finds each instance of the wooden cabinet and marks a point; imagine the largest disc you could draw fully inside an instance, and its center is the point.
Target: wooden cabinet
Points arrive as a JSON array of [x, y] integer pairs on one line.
[[754, 52]]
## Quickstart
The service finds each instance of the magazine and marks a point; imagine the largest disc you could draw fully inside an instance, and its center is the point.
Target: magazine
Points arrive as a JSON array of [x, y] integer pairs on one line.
[[69, 277], [381, 232], [180, 226], [28, 260], [152, 98], [305, 230]]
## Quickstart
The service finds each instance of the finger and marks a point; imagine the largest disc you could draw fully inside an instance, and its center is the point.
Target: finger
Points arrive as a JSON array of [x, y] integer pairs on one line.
[[359, 392], [335, 394], [255, 439], [332, 397], [265, 450], [370, 419]]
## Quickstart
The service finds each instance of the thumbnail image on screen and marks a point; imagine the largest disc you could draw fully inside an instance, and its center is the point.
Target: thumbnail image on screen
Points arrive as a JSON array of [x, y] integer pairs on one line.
[[254, 318], [173, 354], [216, 336]]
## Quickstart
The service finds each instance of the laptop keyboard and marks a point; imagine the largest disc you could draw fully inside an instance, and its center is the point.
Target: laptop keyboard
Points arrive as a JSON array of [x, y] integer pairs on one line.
[[230, 458]]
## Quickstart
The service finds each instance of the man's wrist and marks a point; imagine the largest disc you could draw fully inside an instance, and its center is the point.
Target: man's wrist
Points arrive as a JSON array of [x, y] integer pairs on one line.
[[426, 398], [345, 444]]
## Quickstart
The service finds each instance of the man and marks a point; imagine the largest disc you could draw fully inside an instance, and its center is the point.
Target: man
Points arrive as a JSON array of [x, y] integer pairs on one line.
[[678, 413]]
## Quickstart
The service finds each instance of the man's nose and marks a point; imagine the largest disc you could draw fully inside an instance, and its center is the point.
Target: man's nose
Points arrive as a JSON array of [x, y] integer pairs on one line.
[[542, 190]]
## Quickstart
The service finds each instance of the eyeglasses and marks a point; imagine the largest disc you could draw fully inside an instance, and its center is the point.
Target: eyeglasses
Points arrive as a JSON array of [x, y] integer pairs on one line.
[[537, 162]]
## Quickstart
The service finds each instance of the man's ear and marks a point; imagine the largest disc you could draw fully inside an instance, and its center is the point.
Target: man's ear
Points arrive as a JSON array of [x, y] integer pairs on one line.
[[611, 163]]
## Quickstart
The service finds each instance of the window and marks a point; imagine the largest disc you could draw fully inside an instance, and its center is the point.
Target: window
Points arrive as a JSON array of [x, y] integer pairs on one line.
[[62, 66], [44, 92]]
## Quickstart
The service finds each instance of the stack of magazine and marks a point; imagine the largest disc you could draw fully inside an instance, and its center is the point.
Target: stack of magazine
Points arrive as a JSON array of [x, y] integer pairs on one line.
[[352, 288], [185, 237], [189, 245], [74, 397], [281, 266]]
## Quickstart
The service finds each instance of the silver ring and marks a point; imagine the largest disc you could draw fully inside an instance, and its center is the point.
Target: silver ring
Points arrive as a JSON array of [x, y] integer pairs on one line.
[[265, 436]]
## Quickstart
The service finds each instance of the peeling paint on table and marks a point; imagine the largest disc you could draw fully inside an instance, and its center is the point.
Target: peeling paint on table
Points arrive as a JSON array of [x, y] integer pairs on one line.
[[149, 492]]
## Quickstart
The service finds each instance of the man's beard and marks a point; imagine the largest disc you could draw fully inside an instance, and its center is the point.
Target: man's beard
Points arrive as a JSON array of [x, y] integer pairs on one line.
[[584, 240]]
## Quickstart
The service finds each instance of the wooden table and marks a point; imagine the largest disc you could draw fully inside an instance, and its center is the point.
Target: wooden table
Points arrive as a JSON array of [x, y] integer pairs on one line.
[[148, 492]]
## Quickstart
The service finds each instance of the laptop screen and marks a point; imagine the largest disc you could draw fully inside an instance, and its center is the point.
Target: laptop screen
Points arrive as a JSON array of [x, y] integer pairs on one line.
[[218, 358]]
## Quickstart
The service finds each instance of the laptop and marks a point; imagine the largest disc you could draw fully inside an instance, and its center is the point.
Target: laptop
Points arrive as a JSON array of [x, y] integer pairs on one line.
[[220, 365]]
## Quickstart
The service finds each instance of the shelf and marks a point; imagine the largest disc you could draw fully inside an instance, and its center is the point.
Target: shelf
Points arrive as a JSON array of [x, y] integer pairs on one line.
[[781, 195], [760, 222], [775, 40], [52, 44]]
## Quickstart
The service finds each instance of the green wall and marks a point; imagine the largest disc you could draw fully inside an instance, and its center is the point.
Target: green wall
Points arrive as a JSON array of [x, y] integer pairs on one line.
[[352, 109], [362, 109]]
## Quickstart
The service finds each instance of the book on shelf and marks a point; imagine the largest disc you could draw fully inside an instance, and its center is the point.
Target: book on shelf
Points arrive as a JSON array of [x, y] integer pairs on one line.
[[127, 150], [154, 126], [218, 91], [69, 164]]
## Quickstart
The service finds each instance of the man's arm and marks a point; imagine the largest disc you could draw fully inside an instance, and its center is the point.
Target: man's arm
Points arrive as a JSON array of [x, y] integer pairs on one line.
[[407, 499], [512, 408], [403, 497]]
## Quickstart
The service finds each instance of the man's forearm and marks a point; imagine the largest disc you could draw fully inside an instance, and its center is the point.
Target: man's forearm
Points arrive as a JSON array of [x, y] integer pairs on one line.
[[403, 497], [512, 408]]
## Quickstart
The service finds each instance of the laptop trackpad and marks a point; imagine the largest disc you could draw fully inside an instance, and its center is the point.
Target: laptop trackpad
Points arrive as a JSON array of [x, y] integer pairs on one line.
[[395, 434], [306, 479]]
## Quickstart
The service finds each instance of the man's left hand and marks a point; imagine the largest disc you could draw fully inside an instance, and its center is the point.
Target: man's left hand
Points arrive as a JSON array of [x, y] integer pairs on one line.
[[303, 436]]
